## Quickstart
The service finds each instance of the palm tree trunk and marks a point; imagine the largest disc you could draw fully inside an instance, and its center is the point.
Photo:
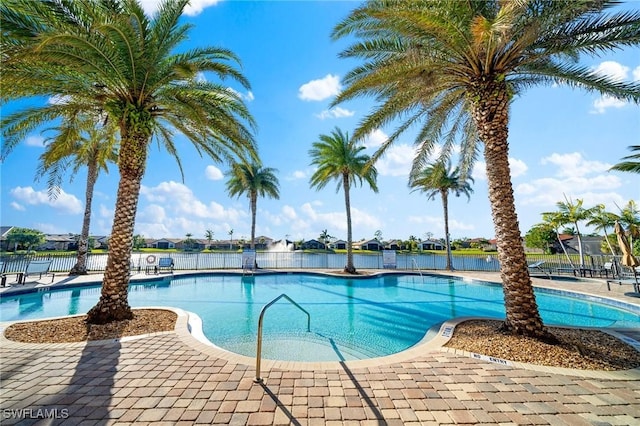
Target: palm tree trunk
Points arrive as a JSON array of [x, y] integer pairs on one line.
[[445, 207], [80, 268], [113, 304], [582, 265], [254, 207], [350, 269], [491, 115]]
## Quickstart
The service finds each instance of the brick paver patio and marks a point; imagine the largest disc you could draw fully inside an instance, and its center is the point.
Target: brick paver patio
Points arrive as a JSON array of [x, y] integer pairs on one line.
[[173, 379]]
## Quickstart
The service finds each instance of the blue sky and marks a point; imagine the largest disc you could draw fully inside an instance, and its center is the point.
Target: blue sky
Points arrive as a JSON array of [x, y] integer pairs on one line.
[[562, 143]]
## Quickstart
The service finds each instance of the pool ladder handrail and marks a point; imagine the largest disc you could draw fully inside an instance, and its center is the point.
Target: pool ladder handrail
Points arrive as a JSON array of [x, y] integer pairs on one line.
[[415, 266], [258, 379]]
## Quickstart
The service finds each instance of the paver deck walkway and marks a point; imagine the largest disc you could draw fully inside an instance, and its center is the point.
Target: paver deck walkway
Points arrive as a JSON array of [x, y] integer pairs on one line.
[[171, 378]]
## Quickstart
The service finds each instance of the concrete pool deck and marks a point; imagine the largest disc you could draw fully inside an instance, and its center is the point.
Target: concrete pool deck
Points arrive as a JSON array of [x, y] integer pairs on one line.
[[172, 378]]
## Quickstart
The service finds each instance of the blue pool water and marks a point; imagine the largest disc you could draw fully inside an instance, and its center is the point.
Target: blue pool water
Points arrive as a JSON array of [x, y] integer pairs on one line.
[[350, 318]]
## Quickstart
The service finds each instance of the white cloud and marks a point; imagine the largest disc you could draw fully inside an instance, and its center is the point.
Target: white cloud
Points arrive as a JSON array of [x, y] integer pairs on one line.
[[318, 90], [636, 73], [574, 164], [604, 102], [517, 168], [58, 100], [34, 141], [437, 222], [336, 112], [213, 173], [396, 161], [297, 175], [618, 72], [192, 9], [375, 139], [64, 202], [574, 177], [178, 199], [612, 69], [17, 206]]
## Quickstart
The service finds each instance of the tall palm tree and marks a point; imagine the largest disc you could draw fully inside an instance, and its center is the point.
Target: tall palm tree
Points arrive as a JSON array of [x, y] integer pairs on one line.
[[632, 163], [338, 157], [440, 178], [254, 181], [79, 142], [454, 67], [132, 68], [573, 213], [600, 220]]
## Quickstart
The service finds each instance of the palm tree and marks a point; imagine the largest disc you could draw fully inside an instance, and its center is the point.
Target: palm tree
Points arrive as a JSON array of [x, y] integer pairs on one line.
[[79, 142], [325, 237], [231, 239], [132, 68], [454, 67], [209, 236], [340, 158], [252, 180], [440, 178], [555, 221], [572, 213], [632, 163], [630, 219], [600, 220]]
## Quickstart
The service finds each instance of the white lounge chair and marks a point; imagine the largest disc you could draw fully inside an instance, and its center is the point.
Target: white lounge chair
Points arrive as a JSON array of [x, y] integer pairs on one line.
[[537, 266], [36, 267]]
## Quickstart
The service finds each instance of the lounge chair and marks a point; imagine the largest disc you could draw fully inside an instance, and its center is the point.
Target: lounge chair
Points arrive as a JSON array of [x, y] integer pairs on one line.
[[537, 266], [36, 267], [3, 275], [630, 277], [165, 263]]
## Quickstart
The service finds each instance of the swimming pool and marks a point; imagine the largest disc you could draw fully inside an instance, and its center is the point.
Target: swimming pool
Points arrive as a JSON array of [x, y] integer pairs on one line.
[[350, 318]]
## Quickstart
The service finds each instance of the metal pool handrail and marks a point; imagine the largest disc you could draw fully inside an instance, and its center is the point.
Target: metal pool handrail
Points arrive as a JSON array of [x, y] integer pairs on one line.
[[258, 379]]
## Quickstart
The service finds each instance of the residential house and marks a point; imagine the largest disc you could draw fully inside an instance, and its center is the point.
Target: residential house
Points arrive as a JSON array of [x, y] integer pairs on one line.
[[431, 245], [312, 245]]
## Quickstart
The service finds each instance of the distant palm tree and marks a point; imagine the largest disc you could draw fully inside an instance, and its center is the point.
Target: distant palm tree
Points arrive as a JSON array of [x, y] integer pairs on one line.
[[600, 220], [254, 181], [555, 220], [572, 213], [439, 179], [325, 237], [340, 158], [209, 236], [231, 239], [453, 68], [79, 142], [630, 219], [134, 69], [633, 161]]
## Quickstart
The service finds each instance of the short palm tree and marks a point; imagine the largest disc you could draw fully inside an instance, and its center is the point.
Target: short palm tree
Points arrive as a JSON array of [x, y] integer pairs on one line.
[[631, 163], [440, 178], [209, 236], [255, 181], [570, 212], [555, 220], [630, 219], [79, 142], [134, 69], [454, 67], [600, 220], [338, 157]]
